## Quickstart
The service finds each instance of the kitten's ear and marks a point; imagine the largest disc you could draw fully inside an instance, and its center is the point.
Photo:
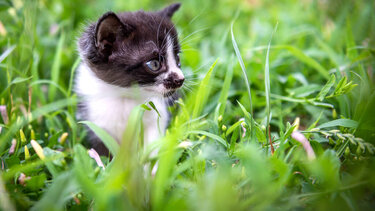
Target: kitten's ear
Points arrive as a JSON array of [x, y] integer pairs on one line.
[[109, 28], [170, 10]]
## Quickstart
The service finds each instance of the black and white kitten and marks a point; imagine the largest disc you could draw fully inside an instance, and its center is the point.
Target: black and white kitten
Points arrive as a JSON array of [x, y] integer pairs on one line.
[[128, 59]]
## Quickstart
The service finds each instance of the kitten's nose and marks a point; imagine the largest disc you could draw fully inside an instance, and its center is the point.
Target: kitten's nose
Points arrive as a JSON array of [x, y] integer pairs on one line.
[[173, 82], [179, 82]]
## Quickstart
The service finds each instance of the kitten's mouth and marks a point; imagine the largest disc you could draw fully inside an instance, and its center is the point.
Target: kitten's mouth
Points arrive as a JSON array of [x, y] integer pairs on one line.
[[169, 93]]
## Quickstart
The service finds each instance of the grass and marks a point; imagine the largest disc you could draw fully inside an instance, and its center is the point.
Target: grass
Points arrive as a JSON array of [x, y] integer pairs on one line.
[[314, 80]]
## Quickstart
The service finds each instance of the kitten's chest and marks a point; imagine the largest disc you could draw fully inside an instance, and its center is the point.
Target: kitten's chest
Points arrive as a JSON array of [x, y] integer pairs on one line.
[[112, 114]]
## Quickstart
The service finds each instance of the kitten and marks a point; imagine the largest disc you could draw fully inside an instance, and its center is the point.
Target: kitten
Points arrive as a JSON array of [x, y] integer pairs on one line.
[[128, 59]]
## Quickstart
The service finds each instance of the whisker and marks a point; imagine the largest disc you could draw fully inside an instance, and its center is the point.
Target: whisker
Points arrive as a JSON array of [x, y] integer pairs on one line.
[[191, 34], [165, 37], [157, 33]]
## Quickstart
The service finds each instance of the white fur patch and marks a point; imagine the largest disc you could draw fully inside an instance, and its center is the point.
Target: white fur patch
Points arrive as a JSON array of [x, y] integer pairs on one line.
[[172, 64], [109, 106]]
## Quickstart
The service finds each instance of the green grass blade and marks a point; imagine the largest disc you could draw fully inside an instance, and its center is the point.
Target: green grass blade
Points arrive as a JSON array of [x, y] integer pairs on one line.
[[53, 84], [60, 192], [322, 94], [5, 202], [339, 122], [233, 127], [83, 171], [6, 53], [211, 135], [305, 59], [267, 85], [202, 93], [15, 81], [226, 86], [72, 73], [243, 68], [107, 139], [55, 71]]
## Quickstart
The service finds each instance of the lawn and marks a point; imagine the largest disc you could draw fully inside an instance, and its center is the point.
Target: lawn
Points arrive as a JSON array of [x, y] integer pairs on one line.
[[276, 111]]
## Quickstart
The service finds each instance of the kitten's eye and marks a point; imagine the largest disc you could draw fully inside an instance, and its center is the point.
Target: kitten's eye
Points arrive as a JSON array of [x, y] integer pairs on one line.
[[153, 65]]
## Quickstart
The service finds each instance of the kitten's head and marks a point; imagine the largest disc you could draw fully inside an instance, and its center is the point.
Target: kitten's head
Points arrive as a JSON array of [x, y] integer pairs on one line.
[[135, 48]]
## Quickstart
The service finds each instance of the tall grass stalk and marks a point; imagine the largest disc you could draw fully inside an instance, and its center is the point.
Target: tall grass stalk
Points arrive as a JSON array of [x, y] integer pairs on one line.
[[243, 68], [268, 88]]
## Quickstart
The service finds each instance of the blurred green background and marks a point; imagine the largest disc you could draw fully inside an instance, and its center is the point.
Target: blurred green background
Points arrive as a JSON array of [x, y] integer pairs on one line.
[[217, 154]]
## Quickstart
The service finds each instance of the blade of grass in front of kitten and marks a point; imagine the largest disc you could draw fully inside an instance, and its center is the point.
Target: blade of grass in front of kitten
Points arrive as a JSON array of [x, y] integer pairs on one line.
[[107, 139], [83, 171], [62, 189], [5, 202]]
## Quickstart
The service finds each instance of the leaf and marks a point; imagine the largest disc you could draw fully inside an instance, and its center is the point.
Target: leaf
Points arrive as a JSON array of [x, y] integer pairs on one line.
[[340, 122], [36, 182], [144, 106], [83, 169], [6, 53], [326, 88], [243, 68], [351, 52], [208, 134], [233, 127], [304, 91], [226, 86], [313, 125], [260, 134], [61, 190], [55, 71], [107, 139], [267, 85], [51, 83], [245, 112], [17, 80], [56, 156], [72, 73], [305, 59], [202, 93], [340, 85], [216, 114], [289, 130], [348, 87], [154, 107]]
